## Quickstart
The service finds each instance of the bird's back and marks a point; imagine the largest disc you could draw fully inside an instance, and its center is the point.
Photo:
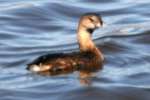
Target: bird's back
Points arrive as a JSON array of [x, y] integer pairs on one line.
[[66, 62]]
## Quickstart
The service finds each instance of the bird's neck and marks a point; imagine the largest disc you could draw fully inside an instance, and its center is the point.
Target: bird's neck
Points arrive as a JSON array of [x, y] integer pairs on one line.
[[86, 43], [85, 40]]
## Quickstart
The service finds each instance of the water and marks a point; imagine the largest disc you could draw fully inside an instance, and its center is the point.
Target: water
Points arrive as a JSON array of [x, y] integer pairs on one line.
[[30, 28]]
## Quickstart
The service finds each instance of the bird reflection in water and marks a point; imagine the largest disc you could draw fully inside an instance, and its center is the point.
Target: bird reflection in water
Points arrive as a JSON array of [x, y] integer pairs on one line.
[[85, 77]]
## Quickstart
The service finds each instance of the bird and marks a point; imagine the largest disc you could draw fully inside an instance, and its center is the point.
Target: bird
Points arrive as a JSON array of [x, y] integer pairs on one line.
[[88, 60]]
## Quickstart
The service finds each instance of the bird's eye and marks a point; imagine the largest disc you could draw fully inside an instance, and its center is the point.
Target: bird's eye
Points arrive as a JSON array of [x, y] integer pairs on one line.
[[91, 19]]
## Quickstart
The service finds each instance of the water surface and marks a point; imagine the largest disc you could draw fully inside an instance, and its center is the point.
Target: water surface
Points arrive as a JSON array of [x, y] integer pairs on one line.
[[30, 28]]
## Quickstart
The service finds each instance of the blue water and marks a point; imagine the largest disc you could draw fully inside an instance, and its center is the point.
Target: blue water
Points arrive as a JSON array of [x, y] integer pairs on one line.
[[30, 28]]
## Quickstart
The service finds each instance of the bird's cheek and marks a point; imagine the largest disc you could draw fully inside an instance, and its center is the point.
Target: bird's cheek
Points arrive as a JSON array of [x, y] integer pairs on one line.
[[91, 26]]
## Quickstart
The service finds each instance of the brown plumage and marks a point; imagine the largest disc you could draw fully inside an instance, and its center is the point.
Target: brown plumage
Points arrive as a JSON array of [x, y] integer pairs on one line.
[[89, 59]]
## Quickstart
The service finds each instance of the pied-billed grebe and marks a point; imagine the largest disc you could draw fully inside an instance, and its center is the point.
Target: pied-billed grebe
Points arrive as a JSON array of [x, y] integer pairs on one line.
[[89, 59]]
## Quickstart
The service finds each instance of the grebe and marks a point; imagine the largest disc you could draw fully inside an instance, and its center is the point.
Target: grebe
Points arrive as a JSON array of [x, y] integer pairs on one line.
[[88, 60]]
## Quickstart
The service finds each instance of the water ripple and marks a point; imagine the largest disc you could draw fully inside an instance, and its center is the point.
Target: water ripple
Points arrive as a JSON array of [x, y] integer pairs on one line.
[[33, 28]]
